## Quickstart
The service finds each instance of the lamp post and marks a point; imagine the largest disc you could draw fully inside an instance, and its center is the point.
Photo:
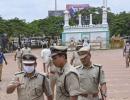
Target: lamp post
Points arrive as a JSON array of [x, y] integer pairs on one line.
[[55, 5]]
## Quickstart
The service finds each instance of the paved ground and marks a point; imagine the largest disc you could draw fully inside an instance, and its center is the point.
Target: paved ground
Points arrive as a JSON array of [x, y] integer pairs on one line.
[[118, 77]]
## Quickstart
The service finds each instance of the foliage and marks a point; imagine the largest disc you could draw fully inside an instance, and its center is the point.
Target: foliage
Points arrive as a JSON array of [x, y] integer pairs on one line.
[[51, 26]]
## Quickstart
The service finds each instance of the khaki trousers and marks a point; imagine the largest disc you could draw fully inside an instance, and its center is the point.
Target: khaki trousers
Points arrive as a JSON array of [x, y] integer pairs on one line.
[[1, 66], [19, 64]]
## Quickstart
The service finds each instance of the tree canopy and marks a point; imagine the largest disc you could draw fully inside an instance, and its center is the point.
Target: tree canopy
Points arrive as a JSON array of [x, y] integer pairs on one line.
[[51, 26]]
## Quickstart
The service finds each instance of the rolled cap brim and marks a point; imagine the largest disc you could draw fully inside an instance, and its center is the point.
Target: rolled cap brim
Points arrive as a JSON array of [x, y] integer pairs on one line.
[[28, 62], [82, 56]]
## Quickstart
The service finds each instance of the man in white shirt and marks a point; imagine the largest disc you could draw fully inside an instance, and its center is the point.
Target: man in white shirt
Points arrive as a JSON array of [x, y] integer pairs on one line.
[[45, 54]]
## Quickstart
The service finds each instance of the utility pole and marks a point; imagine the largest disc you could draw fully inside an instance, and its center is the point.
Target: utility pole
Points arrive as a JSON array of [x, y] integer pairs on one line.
[[55, 5]]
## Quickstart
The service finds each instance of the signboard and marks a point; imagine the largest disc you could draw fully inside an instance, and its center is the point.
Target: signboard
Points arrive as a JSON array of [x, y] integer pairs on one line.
[[56, 13], [73, 8]]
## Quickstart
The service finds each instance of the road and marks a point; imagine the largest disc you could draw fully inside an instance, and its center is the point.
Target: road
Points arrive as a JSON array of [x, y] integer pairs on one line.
[[117, 75]]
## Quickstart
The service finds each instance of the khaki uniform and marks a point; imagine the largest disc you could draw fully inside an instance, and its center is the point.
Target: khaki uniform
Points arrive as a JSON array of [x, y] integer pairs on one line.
[[53, 76], [26, 50], [89, 82], [70, 85], [76, 59], [72, 45], [32, 88], [19, 58]]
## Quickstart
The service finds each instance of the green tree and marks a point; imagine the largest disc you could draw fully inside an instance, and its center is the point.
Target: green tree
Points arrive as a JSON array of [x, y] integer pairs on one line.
[[16, 27], [51, 26]]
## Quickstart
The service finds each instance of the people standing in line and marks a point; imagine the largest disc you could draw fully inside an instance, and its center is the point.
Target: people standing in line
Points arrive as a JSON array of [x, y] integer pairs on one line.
[[91, 77], [67, 84], [45, 54], [126, 53], [18, 58], [26, 49], [2, 57], [29, 83]]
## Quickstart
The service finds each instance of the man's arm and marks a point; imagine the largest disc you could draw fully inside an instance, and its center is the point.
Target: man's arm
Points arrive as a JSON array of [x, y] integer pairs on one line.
[[12, 86], [4, 59], [103, 87], [72, 85], [104, 91], [47, 89], [49, 97], [73, 97]]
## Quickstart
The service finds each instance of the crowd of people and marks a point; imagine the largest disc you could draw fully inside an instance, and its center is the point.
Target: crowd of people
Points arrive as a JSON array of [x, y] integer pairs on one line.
[[80, 79], [61, 80]]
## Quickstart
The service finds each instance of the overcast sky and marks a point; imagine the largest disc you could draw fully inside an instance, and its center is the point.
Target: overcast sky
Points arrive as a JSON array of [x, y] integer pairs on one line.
[[38, 9]]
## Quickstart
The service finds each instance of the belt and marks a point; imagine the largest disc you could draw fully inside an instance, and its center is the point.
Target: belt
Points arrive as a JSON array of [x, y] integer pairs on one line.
[[93, 95]]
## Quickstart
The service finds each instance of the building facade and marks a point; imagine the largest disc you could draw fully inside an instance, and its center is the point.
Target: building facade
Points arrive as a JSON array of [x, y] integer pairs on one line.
[[98, 34]]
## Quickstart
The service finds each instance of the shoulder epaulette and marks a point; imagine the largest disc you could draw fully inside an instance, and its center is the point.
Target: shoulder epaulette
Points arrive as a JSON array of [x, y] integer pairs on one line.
[[97, 65], [44, 75], [17, 73], [41, 74], [77, 67]]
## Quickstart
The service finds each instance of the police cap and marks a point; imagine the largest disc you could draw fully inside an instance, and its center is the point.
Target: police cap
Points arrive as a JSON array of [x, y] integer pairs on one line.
[[29, 58], [55, 50], [83, 51]]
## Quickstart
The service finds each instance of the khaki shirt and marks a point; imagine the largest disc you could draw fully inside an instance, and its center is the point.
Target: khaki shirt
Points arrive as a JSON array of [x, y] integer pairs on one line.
[[53, 71], [18, 53], [32, 88], [71, 83], [76, 61], [89, 78], [26, 50], [53, 68]]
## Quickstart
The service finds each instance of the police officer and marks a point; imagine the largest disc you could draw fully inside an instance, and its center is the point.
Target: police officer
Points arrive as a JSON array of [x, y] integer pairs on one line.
[[26, 49], [91, 76], [30, 84], [75, 61], [53, 75], [18, 58], [67, 84]]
